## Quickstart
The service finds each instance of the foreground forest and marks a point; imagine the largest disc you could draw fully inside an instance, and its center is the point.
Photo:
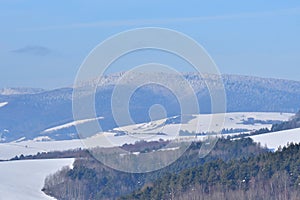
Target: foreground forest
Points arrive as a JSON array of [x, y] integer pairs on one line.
[[235, 169], [266, 176]]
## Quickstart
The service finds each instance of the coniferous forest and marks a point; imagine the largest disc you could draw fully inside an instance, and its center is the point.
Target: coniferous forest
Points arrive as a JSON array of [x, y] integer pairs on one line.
[[235, 169], [238, 169]]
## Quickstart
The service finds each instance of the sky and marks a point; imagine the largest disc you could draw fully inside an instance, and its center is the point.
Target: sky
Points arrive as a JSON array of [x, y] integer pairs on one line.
[[43, 43]]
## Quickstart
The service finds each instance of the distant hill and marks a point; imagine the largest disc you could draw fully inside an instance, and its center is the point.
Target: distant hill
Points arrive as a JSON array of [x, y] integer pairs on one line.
[[28, 112]]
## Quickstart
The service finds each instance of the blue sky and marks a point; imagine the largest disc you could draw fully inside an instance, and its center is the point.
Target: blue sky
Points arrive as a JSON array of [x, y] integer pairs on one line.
[[43, 43]]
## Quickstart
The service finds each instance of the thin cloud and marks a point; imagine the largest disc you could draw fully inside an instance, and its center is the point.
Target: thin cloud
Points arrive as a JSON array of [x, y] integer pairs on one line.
[[33, 50], [150, 22]]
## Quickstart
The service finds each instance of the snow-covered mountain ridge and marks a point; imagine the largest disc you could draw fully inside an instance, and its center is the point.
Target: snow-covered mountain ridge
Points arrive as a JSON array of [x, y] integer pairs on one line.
[[27, 114]]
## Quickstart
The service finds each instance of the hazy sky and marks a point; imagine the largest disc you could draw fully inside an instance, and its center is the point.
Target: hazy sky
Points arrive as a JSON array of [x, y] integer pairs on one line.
[[43, 43]]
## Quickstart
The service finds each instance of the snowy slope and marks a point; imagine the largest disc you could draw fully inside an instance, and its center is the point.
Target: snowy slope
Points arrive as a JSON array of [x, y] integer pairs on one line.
[[12, 149], [2, 104], [106, 139], [145, 131], [276, 139], [232, 120], [25, 179], [70, 124]]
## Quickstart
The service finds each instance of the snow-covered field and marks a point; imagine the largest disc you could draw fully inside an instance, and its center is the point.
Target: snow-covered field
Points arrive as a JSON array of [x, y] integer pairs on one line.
[[10, 150], [25, 179], [203, 123], [145, 131], [107, 139], [280, 138]]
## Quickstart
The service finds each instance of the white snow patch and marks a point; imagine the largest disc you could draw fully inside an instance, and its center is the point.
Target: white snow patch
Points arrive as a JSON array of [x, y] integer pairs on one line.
[[67, 125], [24, 179], [169, 149], [3, 104], [20, 139], [275, 139]]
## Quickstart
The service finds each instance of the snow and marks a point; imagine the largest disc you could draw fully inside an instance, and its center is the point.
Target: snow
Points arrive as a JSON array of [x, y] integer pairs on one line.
[[30, 147], [106, 139], [24, 179], [143, 131], [169, 149], [3, 104], [67, 125], [20, 139], [275, 139], [203, 122]]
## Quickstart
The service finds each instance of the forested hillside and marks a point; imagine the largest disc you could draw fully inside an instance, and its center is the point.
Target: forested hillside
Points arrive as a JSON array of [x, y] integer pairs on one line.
[[89, 179], [235, 169], [293, 123], [266, 176]]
